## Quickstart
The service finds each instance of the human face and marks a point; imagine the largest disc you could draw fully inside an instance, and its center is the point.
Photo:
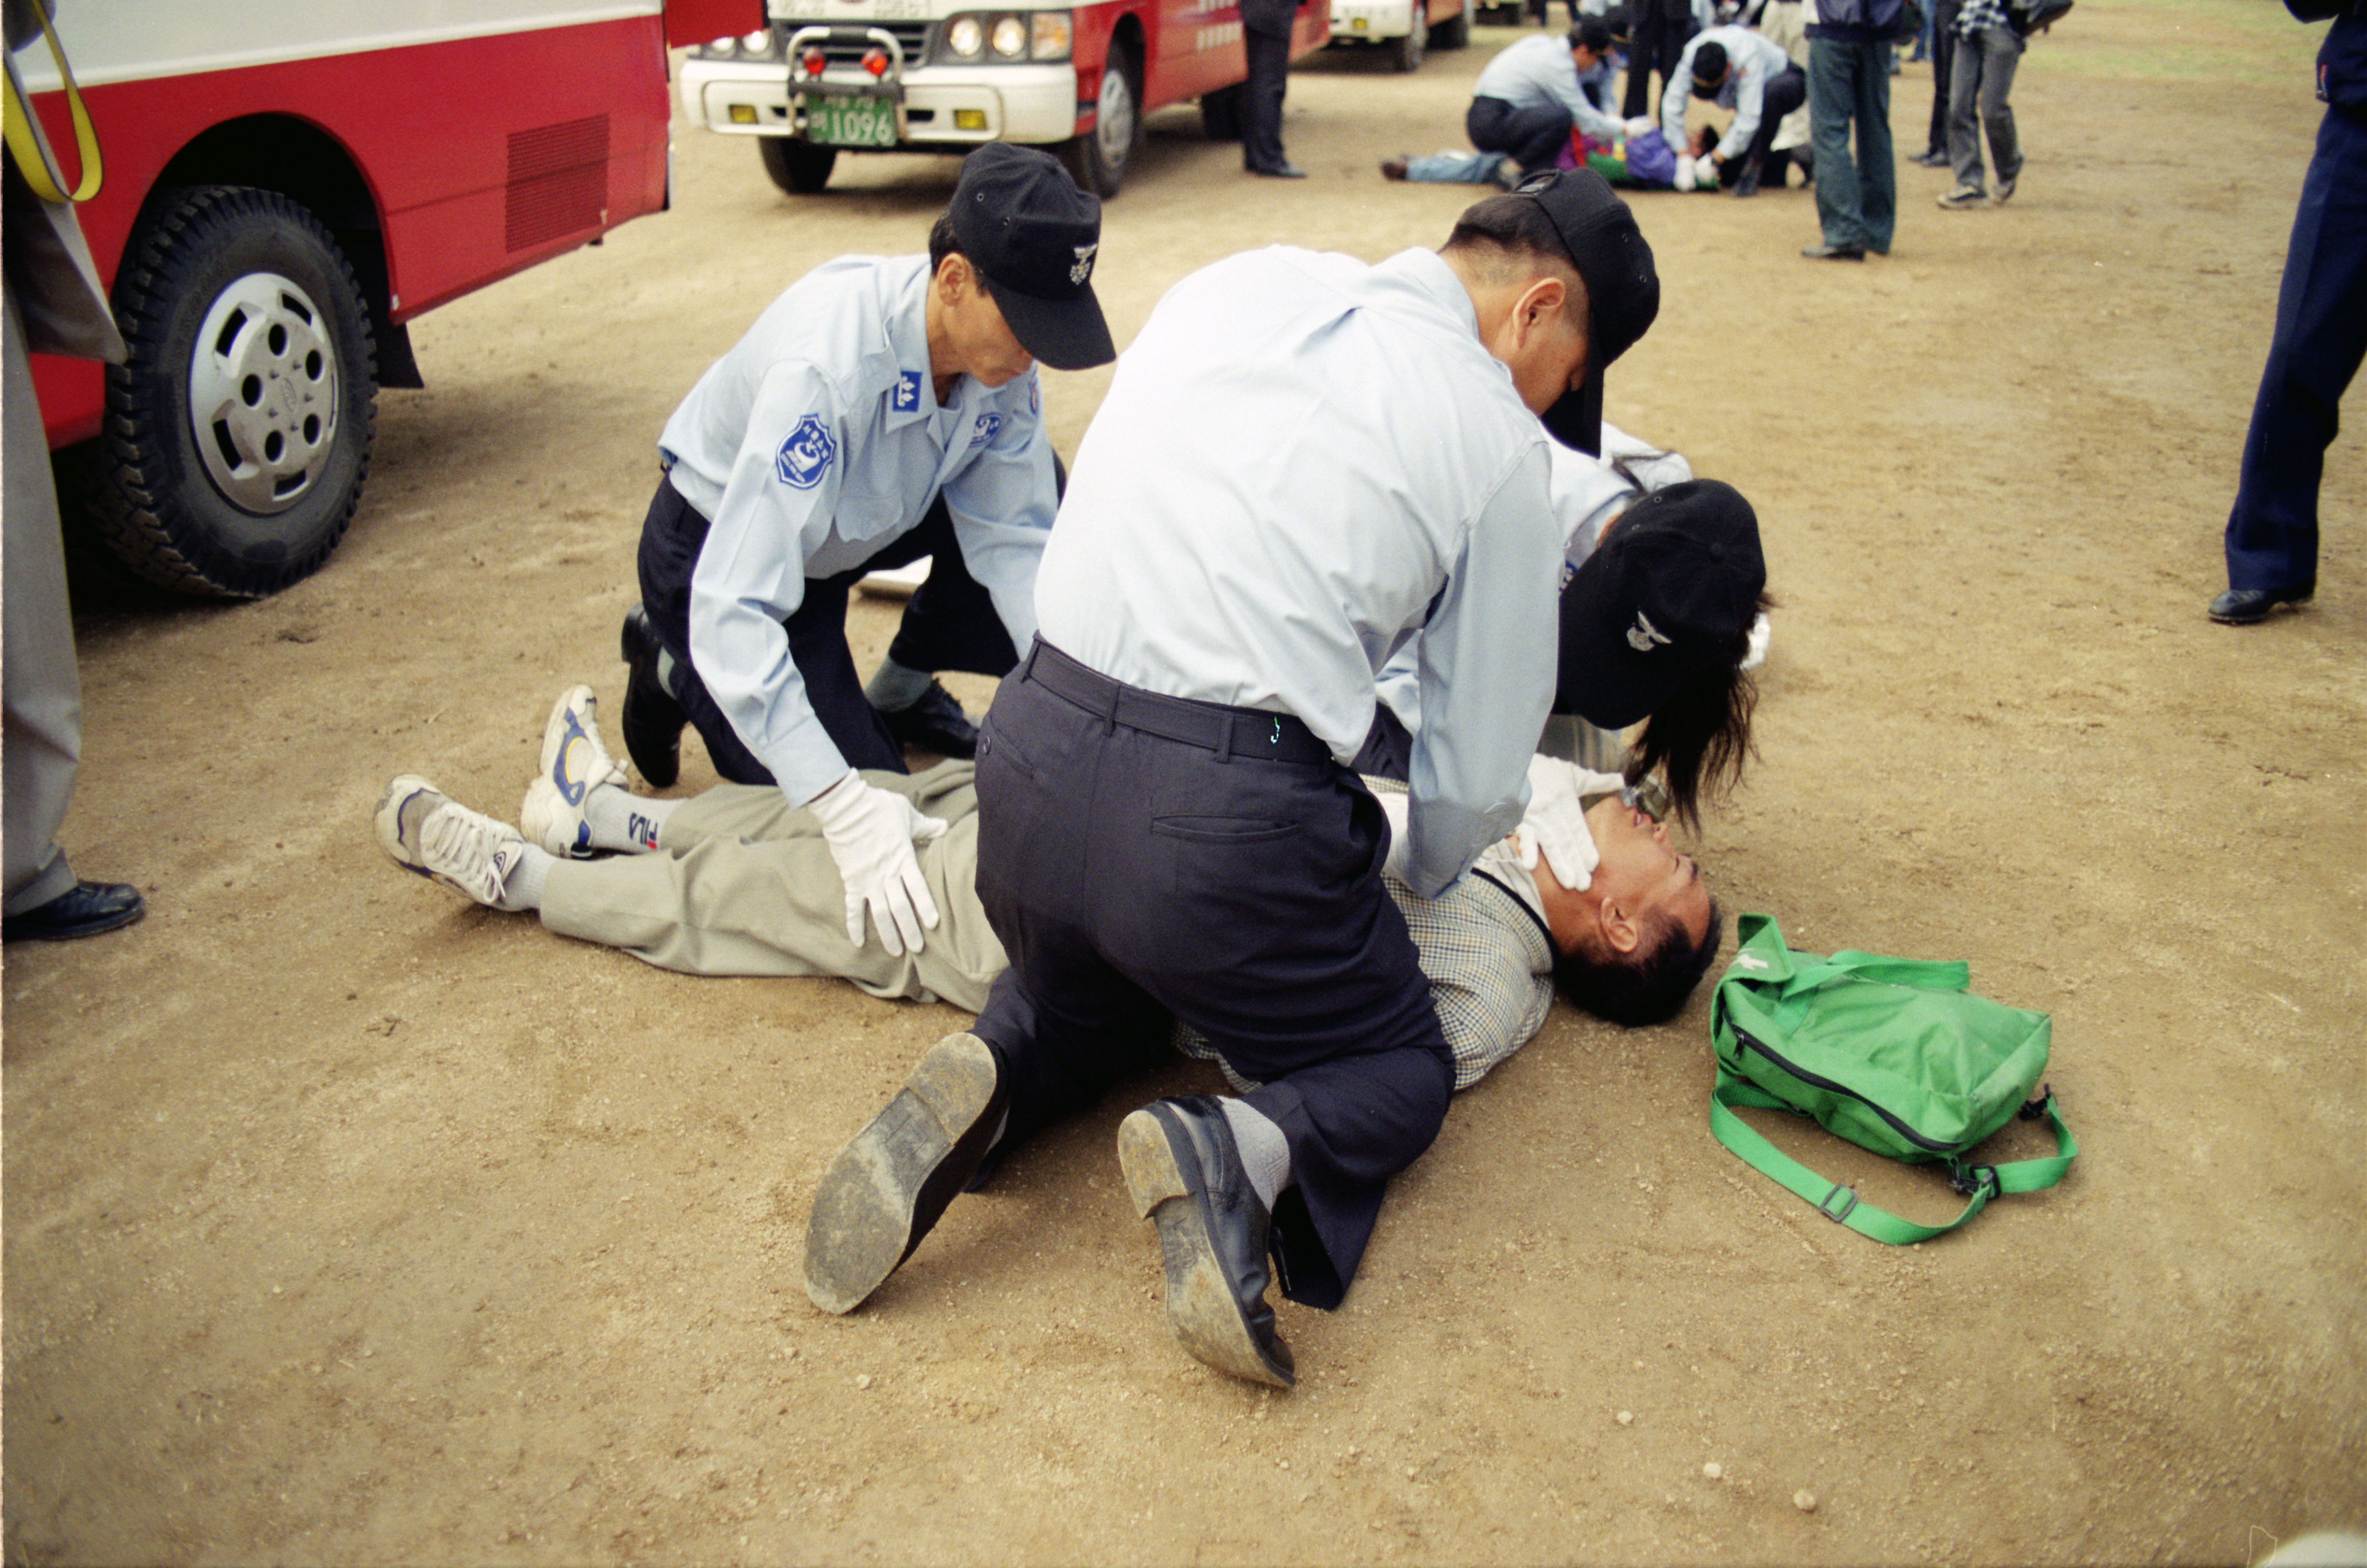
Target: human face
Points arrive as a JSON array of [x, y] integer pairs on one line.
[[1642, 877], [968, 335], [1587, 58]]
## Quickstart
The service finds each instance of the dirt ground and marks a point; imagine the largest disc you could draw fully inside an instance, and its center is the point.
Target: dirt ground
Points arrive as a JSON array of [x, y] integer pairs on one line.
[[346, 1222]]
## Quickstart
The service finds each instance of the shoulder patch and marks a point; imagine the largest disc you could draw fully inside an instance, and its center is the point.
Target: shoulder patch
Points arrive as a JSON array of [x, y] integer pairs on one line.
[[907, 396], [990, 425], [805, 456], [1035, 394]]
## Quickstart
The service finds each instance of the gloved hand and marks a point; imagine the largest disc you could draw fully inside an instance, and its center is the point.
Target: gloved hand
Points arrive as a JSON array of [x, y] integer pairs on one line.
[[1685, 173], [1555, 823], [871, 834]]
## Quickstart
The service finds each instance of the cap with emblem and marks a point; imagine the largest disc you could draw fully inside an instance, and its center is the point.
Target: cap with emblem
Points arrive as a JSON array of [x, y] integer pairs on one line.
[[1623, 288], [1669, 597], [1032, 235]]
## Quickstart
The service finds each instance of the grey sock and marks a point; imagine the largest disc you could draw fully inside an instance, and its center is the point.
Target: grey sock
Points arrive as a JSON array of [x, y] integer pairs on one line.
[[621, 820], [894, 689], [1265, 1152], [521, 889]]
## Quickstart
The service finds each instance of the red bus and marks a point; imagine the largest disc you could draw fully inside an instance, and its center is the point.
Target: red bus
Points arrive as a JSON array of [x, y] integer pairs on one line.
[[287, 183]]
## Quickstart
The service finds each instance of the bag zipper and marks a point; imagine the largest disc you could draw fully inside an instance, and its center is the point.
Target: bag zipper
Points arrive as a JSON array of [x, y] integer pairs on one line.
[[1804, 1075]]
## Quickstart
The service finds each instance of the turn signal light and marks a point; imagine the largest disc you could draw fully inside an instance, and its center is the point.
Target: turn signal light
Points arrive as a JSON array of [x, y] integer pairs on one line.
[[876, 62]]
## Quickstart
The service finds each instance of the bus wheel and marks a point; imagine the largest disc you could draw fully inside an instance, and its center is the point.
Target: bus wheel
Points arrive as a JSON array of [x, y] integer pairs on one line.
[[1407, 53], [1220, 114], [1098, 159], [800, 168], [238, 431]]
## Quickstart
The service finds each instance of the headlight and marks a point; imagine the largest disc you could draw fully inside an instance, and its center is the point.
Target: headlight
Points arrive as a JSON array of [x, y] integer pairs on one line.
[[758, 44], [1009, 37], [1050, 41], [964, 37], [716, 49]]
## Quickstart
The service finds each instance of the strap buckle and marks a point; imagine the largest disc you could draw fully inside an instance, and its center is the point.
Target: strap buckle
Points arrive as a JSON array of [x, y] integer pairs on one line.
[[1838, 1215], [2038, 1107], [1970, 1179]]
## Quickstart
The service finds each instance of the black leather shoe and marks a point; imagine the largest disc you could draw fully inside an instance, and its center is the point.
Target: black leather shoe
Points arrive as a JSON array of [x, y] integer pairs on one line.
[[891, 1184], [86, 909], [2248, 607], [1834, 253], [1285, 171], [1747, 183], [651, 719], [1184, 1172], [936, 724]]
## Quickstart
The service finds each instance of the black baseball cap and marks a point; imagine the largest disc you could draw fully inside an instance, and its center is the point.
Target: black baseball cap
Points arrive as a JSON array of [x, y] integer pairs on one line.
[[1665, 601], [1622, 289], [1032, 235]]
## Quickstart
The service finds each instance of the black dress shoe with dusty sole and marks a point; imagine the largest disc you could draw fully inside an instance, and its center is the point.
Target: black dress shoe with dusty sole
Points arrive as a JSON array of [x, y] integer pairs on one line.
[[2250, 606], [1185, 1173], [86, 909], [936, 723], [891, 1184], [652, 720], [1834, 253]]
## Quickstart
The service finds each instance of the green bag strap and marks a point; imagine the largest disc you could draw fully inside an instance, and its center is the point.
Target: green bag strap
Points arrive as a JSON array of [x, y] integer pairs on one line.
[[1923, 974], [1842, 1205]]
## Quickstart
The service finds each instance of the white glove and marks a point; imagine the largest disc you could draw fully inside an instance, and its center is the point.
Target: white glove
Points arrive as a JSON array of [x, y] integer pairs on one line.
[[1684, 172], [1756, 654], [871, 834], [1555, 823]]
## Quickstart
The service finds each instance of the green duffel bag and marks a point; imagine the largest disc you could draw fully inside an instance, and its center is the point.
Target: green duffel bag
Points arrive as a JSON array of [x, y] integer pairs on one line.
[[1894, 1054]]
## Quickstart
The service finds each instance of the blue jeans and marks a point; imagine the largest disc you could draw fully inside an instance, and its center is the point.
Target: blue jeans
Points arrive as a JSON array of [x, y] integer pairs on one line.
[[1977, 102], [1857, 204], [2321, 339]]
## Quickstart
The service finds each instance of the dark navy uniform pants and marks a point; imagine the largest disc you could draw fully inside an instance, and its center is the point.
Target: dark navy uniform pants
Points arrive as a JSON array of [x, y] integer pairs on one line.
[[1142, 858], [1531, 137], [950, 624], [2321, 339]]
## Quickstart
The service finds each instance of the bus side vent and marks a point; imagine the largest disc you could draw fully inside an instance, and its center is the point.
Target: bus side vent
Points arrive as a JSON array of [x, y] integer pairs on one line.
[[559, 181]]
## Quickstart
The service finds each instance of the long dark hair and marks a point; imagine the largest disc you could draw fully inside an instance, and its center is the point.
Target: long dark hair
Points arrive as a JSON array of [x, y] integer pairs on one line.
[[1700, 738]]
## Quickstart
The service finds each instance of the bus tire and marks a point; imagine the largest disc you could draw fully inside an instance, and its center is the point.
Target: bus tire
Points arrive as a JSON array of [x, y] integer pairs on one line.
[[1456, 31], [1098, 159], [238, 430], [800, 168], [1406, 53], [1221, 113]]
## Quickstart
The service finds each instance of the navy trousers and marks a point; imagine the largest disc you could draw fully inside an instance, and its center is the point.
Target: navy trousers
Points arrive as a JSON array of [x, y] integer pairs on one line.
[[950, 624], [1534, 137], [1144, 858], [1261, 95], [2320, 337]]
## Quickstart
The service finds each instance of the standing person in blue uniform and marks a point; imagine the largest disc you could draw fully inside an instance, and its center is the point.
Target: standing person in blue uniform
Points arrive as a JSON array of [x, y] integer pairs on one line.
[[1749, 74], [2321, 336], [878, 411], [1534, 90], [1657, 31], [1302, 460], [1849, 82], [1265, 38]]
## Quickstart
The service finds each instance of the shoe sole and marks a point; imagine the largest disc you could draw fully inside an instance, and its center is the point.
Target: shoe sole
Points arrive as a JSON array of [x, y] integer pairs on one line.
[[1200, 1305], [654, 743], [887, 1189]]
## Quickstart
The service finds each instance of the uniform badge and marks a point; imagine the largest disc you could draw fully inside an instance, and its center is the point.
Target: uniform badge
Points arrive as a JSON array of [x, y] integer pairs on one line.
[[1035, 394], [990, 425], [1644, 636], [805, 456], [1084, 268], [908, 392]]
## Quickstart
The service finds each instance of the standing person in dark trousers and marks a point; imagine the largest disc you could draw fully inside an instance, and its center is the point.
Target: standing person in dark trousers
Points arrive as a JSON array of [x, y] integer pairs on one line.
[[1849, 81], [56, 306], [1265, 37], [1657, 33], [1988, 48], [881, 409], [1301, 460], [1943, 30], [2320, 337]]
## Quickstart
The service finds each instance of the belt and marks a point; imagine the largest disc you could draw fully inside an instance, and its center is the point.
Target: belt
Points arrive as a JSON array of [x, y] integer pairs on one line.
[[1213, 726]]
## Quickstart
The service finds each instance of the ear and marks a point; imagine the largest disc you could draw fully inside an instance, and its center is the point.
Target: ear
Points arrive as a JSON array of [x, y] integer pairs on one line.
[[1537, 307], [953, 277], [1621, 932]]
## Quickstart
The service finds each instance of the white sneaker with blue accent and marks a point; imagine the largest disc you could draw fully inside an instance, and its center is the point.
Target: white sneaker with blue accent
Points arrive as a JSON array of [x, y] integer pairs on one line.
[[574, 762], [433, 834]]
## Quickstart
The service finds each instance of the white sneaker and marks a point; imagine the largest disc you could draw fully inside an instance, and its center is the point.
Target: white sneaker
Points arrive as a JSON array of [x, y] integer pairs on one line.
[[574, 764], [434, 836]]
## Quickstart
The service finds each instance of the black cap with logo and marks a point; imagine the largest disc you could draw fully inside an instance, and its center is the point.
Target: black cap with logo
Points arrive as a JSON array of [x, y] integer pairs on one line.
[[1032, 235], [1666, 599], [1622, 289]]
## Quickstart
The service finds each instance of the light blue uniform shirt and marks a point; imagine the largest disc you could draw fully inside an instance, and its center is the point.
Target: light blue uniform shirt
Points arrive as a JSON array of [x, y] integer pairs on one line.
[[1752, 59], [811, 446], [1539, 69], [1299, 461]]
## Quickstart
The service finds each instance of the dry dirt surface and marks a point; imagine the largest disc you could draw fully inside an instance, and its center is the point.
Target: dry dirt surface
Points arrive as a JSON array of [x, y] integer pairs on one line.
[[349, 1223]]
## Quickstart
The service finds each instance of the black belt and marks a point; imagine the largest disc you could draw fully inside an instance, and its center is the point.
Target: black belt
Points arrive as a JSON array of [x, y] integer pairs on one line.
[[1213, 726]]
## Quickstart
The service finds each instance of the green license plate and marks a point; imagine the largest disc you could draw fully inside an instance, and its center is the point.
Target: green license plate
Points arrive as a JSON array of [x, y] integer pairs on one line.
[[851, 123]]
